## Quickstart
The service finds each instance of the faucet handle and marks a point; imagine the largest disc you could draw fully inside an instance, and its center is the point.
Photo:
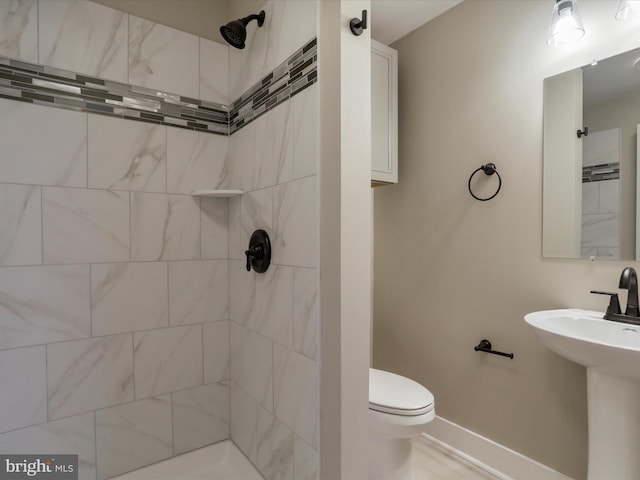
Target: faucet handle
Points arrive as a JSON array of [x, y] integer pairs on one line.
[[614, 303]]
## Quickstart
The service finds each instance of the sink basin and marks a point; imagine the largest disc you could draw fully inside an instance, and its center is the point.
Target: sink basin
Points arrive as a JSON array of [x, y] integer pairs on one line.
[[611, 353], [584, 337]]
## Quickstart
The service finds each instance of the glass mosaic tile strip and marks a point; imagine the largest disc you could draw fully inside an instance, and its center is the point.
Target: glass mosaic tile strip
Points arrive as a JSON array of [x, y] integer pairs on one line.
[[49, 86], [598, 173], [43, 85], [292, 76]]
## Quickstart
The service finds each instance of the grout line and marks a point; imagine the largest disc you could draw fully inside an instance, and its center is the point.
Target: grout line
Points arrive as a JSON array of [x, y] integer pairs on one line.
[[203, 364], [46, 380], [90, 301], [41, 224], [38, 31], [173, 439], [128, 47], [130, 212], [87, 152], [168, 273], [133, 357], [95, 440]]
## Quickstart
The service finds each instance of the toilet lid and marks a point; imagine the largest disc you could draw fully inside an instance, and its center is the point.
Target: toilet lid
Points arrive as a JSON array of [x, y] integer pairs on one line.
[[398, 395]]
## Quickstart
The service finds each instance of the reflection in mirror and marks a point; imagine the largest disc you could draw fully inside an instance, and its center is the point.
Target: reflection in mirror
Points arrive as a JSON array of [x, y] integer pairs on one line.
[[591, 124]]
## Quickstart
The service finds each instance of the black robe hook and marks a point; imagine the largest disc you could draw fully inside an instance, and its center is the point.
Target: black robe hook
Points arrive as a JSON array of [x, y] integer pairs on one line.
[[358, 26]]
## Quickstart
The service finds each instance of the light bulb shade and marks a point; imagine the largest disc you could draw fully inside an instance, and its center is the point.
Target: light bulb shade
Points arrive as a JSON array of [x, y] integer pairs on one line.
[[566, 24], [627, 9]]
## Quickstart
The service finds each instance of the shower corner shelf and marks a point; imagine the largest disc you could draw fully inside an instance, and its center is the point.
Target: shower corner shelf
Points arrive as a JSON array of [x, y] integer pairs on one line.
[[217, 193]]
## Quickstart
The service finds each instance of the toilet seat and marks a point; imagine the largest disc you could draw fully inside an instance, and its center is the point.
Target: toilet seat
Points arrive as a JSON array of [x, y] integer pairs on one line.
[[397, 395]]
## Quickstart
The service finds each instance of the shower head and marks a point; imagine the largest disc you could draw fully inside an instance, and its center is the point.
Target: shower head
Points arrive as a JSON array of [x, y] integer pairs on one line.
[[235, 32]]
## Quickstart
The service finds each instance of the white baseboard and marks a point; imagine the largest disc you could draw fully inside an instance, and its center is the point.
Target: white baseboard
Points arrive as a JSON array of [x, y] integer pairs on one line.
[[488, 455]]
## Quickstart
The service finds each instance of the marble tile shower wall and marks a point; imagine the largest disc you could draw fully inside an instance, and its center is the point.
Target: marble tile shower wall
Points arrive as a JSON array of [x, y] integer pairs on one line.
[[114, 291], [274, 373]]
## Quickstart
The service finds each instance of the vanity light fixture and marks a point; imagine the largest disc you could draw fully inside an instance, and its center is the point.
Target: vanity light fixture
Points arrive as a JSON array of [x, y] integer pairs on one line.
[[627, 9], [566, 24]]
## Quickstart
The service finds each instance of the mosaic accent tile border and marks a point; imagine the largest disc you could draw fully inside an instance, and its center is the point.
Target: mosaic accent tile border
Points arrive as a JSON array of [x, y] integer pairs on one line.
[[54, 87], [289, 78], [598, 173]]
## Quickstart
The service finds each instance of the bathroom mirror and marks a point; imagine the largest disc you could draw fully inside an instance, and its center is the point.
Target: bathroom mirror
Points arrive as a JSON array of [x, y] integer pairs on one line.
[[591, 124]]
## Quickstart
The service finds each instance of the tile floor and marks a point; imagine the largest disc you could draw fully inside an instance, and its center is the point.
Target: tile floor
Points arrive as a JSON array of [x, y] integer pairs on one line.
[[432, 462]]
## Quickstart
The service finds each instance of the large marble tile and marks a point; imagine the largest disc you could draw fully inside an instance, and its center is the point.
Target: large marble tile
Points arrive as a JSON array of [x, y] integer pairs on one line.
[[23, 379], [275, 447], [214, 222], [306, 128], [252, 364], [195, 160], [57, 155], [44, 304], [602, 230], [200, 417], [214, 72], [590, 198], [273, 314], [19, 29], [167, 360], [163, 58], [133, 435], [295, 223], [165, 227], [85, 226], [248, 65], [235, 228], [274, 147], [256, 212], [20, 225], [216, 351], [126, 155], [305, 461], [127, 297], [292, 24], [295, 385], [306, 311], [85, 375], [609, 201], [198, 291], [240, 171], [83, 37], [242, 292], [244, 422], [73, 435]]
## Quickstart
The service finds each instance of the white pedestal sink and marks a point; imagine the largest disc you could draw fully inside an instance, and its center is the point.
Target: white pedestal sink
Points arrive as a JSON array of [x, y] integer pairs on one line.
[[611, 353]]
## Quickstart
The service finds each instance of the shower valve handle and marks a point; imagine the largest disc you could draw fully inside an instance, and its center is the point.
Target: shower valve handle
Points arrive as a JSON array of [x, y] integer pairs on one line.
[[259, 252], [255, 251]]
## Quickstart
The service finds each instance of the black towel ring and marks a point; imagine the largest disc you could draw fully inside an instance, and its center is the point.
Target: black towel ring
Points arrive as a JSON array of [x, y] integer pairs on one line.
[[488, 169]]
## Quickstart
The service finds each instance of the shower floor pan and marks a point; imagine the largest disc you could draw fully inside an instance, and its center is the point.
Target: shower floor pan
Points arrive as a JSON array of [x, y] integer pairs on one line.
[[222, 461]]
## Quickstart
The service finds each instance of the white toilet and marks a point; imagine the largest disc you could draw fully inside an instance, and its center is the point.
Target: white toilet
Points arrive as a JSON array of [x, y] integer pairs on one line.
[[399, 410]]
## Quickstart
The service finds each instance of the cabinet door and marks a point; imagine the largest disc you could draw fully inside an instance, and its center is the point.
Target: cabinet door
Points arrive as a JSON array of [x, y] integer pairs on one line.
[[384, 114]]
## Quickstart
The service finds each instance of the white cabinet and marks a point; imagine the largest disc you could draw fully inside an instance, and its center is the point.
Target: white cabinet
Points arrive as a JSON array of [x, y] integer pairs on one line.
[[384, 114]]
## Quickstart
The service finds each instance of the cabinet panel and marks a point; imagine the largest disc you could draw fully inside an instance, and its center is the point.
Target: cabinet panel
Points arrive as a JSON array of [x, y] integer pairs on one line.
[[384, 114]]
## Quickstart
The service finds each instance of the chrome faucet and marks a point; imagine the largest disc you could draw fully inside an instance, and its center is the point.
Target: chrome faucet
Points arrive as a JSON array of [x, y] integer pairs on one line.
[[629, 281]]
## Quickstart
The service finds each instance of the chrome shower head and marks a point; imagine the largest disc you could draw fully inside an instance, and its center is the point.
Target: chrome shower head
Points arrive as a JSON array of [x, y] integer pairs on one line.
[[235, 32]]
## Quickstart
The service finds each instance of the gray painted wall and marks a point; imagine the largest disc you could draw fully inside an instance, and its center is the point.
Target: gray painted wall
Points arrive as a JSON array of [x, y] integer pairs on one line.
[[450, 271]]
